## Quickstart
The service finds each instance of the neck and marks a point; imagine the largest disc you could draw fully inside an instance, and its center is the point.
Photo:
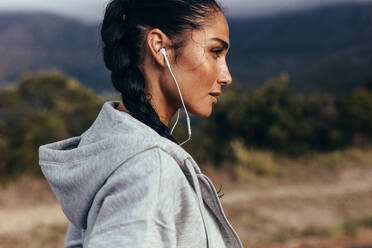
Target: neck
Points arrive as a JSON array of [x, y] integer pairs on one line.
[[164, 117], [122, 107], [163, 105]]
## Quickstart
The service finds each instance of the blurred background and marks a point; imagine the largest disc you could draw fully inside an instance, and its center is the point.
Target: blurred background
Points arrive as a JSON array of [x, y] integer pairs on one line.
[[289, 141]]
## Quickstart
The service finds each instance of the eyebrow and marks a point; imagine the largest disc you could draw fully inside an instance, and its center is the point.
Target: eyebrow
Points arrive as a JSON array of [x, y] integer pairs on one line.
[[224, 43]]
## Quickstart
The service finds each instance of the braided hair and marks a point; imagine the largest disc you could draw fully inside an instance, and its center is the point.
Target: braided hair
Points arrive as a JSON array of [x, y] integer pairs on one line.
[[123, 32]]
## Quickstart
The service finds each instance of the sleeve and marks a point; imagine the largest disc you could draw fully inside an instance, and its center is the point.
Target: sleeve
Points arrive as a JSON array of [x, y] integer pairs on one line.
[[137, 208]]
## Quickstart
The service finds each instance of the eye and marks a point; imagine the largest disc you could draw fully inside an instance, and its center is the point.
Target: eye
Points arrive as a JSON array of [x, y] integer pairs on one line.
[[217, 52]]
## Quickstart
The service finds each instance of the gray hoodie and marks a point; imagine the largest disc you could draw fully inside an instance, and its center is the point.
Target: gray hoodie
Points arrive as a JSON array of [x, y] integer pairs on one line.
[[121, 184]]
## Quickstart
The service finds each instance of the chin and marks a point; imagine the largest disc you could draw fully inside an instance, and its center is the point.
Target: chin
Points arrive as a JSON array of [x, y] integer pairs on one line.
[[202, 112]]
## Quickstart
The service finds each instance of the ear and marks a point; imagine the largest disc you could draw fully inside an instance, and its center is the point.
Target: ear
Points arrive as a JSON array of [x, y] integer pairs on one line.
[[156, 40]]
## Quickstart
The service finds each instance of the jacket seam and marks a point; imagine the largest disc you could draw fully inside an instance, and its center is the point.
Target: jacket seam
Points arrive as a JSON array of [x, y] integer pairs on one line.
[[171, 155], [154, 219], [50, 163], [160, 177]]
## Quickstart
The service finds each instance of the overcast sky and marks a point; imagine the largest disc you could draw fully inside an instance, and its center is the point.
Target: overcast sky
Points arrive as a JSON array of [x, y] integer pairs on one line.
[[92, 10]]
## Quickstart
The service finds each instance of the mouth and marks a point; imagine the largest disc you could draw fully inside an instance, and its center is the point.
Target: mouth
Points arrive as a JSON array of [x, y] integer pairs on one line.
[[217, 93], [214, 96]]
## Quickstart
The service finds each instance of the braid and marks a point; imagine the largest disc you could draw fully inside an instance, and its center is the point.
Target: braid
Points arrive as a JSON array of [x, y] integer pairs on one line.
[[136, 101], [120, 57]]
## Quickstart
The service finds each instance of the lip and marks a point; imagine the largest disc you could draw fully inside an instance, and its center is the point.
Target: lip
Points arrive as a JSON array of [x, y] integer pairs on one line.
[[217, 93], [214, 99]]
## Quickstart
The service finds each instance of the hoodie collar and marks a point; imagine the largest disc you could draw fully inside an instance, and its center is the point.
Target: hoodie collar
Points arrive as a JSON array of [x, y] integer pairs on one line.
[[67, 163]]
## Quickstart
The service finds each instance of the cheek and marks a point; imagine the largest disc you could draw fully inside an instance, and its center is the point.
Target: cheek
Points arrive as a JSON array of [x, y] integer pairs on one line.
[[208, 76], [199, 66], [199, 73], [208, 73], [192, 58], [200, 82]]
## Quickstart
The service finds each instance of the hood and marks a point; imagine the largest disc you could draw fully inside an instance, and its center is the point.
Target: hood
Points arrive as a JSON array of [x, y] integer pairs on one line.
[[76, 168]]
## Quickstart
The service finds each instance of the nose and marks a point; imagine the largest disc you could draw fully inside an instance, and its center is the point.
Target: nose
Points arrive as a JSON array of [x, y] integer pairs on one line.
[[225, 76]]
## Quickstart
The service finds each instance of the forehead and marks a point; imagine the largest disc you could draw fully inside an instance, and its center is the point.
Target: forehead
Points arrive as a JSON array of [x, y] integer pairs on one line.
[[216, 28]]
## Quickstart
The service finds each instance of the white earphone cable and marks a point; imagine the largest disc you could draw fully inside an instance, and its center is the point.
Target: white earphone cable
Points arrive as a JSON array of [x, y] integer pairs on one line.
[[179, 91], [178, 115]]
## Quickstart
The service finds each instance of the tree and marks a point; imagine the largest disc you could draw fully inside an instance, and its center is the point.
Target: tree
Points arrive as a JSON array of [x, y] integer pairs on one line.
[[43, 108]]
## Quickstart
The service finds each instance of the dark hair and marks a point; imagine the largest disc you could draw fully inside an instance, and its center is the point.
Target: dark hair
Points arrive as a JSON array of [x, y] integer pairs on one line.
[[123, 32]]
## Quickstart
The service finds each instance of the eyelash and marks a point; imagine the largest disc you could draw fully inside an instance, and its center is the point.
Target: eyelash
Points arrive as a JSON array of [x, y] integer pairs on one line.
[[217, 52]]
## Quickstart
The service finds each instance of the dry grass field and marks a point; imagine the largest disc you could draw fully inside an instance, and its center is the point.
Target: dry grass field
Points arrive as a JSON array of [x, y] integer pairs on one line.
[[323, 201]]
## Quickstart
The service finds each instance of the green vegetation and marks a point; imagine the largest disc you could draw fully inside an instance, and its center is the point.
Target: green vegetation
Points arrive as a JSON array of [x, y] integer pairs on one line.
[[274, 117], [310, 231], [43, 108], [257, 161], [248, 128], [350, 227]]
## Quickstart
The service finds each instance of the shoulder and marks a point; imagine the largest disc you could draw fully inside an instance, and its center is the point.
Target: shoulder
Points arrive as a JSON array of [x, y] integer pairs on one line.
[[145, 178], [169, 165], [150, 166], [147, 181]]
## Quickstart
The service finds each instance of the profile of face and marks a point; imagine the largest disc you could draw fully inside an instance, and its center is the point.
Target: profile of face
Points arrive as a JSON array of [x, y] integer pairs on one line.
[[201, 69]]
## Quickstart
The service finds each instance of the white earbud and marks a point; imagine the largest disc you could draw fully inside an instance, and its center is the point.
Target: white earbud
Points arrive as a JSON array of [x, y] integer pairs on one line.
[[179, 91], [163, 52]]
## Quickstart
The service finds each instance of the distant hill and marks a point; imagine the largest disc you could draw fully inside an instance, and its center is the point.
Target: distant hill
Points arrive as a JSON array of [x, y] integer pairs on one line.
[[326, 49], [33, 42]]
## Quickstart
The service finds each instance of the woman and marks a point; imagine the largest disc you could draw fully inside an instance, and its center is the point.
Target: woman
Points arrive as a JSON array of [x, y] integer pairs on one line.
[[126, 182]]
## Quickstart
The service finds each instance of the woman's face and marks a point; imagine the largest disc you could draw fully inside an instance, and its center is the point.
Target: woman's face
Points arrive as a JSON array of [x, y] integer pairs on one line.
[[201, 68]]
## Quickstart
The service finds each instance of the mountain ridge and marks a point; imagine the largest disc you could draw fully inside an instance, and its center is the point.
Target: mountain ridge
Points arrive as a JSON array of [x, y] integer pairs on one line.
[[324, 49]]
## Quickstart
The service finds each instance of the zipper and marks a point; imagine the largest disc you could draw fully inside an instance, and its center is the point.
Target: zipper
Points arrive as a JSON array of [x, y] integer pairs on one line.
[[240, 245], [202, 210]]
